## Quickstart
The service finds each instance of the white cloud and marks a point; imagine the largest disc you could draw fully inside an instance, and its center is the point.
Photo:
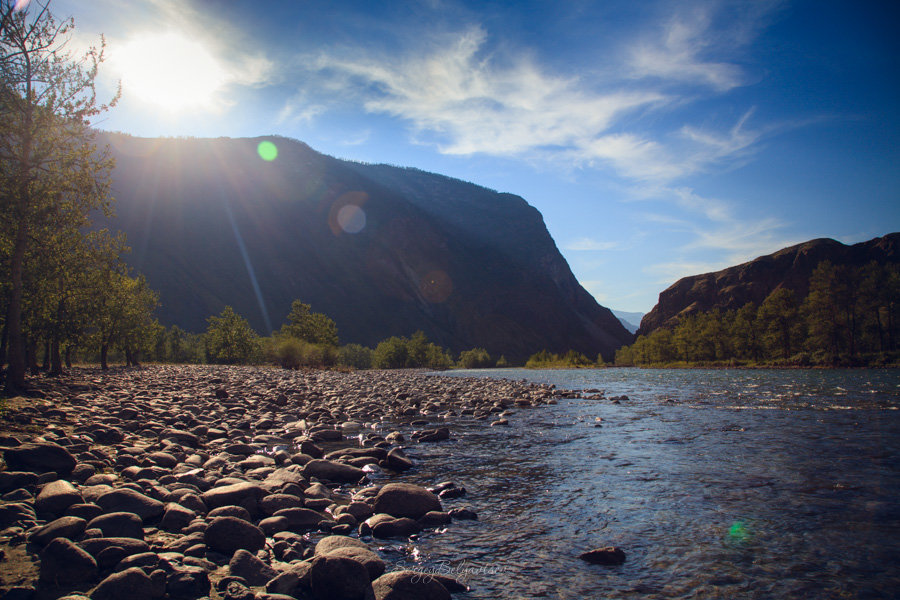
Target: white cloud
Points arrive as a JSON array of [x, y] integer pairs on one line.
[[590, 244], [677, 55], [476, 103]]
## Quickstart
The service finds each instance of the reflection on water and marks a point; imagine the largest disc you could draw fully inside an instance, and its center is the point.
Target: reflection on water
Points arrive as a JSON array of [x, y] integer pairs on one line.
[[717, 484]]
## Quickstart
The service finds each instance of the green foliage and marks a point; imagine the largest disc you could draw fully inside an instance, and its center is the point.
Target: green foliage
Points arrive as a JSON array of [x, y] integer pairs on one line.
[[355, 356], [52, 178], [476, 358], [502, 363], [314, 328], [230, 340], [291, 353], [849, 317], [415, 352], [390, 354], [548, 360]]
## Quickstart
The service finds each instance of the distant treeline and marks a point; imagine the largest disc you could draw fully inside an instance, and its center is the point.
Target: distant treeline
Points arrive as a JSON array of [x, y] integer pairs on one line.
[[850, 317], [306, 339]]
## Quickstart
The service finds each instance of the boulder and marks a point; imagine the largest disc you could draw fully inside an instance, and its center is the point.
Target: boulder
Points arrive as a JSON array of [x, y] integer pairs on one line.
[[330, 470], [128, 500], [227, 534], [129, 546], [405, 500], [408, 585], [254, 571], [64, 527], [176, 517], [119, 524], [333, 542], [371, 561], [40, 457], [187, 582], [56, 497], [609, 555], [338, 578], [130, 584], [243, 494], [64, 563], [301, 518]]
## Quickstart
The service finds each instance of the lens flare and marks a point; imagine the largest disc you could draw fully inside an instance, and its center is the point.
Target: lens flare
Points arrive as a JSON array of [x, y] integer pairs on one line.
[[351, 218], [738, 531], [267, 151]]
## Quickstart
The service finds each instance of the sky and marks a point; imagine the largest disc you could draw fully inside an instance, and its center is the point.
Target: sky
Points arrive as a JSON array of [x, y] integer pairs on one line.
[[658, 139]]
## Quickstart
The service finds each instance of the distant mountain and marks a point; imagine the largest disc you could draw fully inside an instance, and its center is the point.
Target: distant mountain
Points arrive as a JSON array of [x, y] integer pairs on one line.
[[628, 319], [753, 281], [382, 250]]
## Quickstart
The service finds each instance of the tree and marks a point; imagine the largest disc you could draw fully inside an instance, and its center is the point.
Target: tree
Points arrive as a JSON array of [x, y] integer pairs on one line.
[[476, 358], [230, 339], [124, 316], [390, 354], [778, 316], [307, 326], [49, 164]]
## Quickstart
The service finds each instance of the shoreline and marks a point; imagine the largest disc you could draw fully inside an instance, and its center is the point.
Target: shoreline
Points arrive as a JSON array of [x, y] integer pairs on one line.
[[282, 453]]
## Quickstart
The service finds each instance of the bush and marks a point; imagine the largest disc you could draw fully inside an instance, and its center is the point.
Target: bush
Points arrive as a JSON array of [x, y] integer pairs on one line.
[[476, 358], [288, 352], [355, 356]]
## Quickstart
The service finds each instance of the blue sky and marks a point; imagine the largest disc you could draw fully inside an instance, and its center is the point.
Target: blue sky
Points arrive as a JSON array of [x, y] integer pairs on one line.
[[658, 139]]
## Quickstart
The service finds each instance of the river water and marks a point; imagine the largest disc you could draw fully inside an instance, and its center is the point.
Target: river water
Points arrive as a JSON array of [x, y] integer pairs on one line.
[[715, 483]]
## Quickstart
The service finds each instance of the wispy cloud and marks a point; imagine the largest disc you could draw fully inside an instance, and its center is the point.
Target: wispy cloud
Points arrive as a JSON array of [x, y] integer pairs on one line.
[[590, 244], [471, 102]]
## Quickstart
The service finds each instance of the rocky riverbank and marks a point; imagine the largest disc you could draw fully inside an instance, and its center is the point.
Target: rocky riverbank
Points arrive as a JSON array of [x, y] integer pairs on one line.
[[231, 483]]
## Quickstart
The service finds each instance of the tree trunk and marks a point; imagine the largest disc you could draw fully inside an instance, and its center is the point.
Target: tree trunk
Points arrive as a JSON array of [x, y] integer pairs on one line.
[[55, 358], [69, 356], [15, 375], [104, 350], [31, 356], [3, 339], [128, 360], [46, 365]]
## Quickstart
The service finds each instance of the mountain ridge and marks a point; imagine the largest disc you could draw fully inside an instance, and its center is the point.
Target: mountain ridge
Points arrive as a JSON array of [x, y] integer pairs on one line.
[[753, 281], [383, 250]]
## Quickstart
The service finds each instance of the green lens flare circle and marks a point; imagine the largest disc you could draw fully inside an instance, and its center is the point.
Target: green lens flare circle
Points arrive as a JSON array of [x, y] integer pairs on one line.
[[267, 151]]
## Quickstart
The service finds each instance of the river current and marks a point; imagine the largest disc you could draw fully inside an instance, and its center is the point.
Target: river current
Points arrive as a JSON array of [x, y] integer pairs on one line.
[[715, 483]]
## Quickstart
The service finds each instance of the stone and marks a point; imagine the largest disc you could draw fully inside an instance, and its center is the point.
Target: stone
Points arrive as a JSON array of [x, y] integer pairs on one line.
[[227, 534], [250, 568], [408, 585], [398, 461], [371, 561], [405, 500], [128, 500], [64, 563], [609, 555], [84, 511], [130, 584], [56, 497], [434, 519], [119, 524], [188, 582], [244, 494], [330, 470], [176, 517], [333, 542], [434, 435], [338, 578], [301, 518], [275, 502], [129, 546], [65, 527], [40, 457], [13, 480], [402, 527]]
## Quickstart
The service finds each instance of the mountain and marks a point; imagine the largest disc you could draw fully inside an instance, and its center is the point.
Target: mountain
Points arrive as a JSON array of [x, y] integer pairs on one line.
[[628, 319], [382, 250], [753, 281]]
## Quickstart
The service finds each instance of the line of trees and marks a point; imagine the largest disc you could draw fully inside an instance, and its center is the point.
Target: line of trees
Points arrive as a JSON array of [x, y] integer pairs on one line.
[[62, 284], [850, 316]]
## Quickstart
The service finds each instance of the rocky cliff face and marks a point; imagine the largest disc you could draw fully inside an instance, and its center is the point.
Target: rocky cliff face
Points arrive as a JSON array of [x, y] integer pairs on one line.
[[382, 250], [789, 268]]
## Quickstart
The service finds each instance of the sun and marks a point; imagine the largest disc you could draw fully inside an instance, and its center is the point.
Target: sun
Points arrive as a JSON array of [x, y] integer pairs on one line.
[[170, 71]]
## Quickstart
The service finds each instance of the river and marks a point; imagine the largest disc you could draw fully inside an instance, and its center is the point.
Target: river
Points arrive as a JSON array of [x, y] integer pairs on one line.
[[715, 483]]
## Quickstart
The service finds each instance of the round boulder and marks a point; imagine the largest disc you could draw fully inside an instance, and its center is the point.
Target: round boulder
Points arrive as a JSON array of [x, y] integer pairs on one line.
[[338, 578], [409, 585], [405, 500], [227, 534]]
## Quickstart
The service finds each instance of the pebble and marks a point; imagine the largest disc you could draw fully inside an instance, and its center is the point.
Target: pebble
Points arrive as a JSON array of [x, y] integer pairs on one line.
[[146, 483]]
